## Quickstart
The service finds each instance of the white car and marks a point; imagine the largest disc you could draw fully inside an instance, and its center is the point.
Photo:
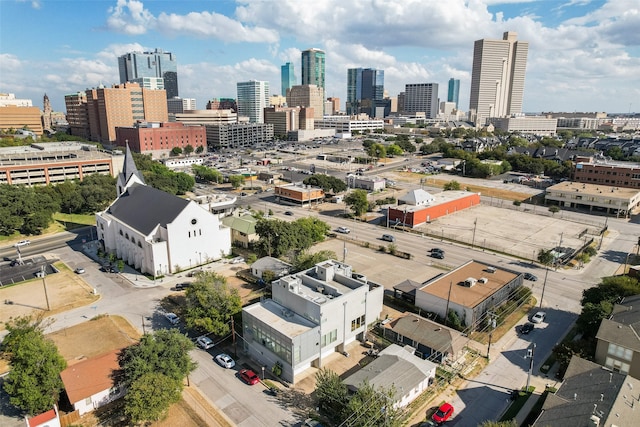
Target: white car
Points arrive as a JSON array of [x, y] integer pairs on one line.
[[23, 243], [344, 230], [172, 318], [204, 343], [539, 317], [237, 260], [225, 361]]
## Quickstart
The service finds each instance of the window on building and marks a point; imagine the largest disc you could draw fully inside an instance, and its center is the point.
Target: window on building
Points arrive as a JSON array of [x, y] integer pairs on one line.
[[357, 323], [121, 233], [620, 352]]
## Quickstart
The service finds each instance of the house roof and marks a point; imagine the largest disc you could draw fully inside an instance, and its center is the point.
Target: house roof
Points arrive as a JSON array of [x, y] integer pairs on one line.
[[417, 197], [143, 208], [86, 378], [40, 420], [623, 326], [590, 390], [394, 366], [408, 286], [244, 224], [428, 333], [270, 263]]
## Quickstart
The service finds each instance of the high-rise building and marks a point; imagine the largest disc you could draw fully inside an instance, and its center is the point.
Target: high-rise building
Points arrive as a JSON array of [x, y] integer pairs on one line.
[[313, 68], [253, 97], [365, 91], [77, 114], [136, 65], [310, 96], [421, 98], [497, 78], [47, 120], [180, 105], [287, 78], [454, 91], [122, 105]]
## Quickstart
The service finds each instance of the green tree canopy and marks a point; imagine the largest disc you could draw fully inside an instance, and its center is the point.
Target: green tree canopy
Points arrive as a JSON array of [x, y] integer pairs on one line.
[[357, 201], [304, 260], [236, 181], [329, 184], [188, 149], [377, 151], [33, 383], [451, 185], [210, 303], [394, 150], [203, 173], [278, 237], [150, 396]]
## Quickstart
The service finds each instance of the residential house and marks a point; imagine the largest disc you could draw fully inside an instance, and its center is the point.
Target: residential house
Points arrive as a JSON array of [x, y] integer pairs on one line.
[[311, 315], [591, 395], [51, 418], [396, 366], [156, 232], [278, 267], [618, 338], [431, 340], [243, 229], [89, 384]]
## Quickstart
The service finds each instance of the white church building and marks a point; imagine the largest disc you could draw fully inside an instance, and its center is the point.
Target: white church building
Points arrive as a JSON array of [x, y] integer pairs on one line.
[[156, 232]]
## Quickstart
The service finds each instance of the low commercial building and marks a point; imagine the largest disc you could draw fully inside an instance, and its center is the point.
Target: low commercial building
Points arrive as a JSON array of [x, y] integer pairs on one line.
[[619, 201], [311, 315], [369, 183], [349, 124], [610, 173], [469, 290], [299, 194], [238, 135], [51, 163], [398, 367], [418, 207], [534, 125], [159, 139]]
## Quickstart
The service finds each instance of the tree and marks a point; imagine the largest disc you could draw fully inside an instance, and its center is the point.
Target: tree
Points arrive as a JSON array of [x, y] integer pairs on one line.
[[357, 201], [176, 151], [304, 260], [554, 209], [332, 394], [377, 151], [509, 423], [451, 185], [591, 315], [34, 382], [394, 150], [611, 289], [188, 149], [149, 397], [545, 257], [374, 406], [326, 182], [236, 181], [200, 149], [210, 304]]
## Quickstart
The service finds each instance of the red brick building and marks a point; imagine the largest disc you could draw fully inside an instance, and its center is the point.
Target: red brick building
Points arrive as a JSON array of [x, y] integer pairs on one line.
[[420, 209], [297, 194], [158, 139], [613, 174]]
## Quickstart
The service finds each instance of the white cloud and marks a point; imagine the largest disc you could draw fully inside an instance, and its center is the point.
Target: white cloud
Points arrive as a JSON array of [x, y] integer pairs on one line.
[[130, 17]]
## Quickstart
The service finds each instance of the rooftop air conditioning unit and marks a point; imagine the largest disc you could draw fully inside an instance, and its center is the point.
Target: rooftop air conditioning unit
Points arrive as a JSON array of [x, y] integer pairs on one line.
[[470, 282], [483, 280]]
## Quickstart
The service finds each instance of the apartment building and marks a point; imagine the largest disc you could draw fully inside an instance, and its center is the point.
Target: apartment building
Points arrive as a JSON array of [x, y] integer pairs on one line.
[[238, 135], [158, 139]]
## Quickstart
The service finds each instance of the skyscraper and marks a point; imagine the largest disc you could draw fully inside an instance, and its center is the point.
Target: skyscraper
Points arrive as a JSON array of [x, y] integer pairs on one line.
[[287, 78], [136, 65], [454, 91], [421, 98], [365, 91], [313, 68], [497, 78], [253, 97], [309, 96]]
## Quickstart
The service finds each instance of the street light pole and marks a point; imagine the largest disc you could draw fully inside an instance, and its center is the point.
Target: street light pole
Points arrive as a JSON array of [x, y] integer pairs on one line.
[[544, 284], [530, 353]]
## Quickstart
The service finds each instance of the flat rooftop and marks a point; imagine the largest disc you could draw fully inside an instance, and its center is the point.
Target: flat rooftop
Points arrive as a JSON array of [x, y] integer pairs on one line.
[[280, 318], [50, 152], [464, 295], [438, 199], [594, 189]]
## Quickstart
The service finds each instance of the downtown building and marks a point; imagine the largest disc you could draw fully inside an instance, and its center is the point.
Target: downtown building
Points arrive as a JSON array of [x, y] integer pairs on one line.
[[20, 114], [159, 139], [308, 96], [287, 78], [159, 64], [453, 93], [421, 98], [253, 97], [497, 78], [180, 105], [365, 93], [238, 135], [313, 63]]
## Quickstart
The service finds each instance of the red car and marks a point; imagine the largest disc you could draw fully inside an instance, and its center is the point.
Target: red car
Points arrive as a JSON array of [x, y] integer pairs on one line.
[[248, 376], [443, 413]]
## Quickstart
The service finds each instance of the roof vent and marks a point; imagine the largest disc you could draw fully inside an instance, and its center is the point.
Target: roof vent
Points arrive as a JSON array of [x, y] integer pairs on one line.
[[483, 280]]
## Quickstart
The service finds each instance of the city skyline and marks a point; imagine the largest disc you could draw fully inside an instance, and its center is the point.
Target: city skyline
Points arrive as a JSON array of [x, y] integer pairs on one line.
[[583, 55]]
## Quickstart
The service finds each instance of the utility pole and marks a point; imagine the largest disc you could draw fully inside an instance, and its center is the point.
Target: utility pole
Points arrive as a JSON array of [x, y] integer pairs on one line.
[[544, 283], [446, 312], [530, 353], [473, 239], [44, 285], [233, 337]]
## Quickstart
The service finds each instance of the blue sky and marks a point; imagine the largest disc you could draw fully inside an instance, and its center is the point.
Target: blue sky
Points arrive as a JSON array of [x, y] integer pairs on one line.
[[584, 55]]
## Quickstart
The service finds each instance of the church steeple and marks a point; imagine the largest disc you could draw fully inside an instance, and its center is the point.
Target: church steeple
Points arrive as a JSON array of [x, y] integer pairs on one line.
[[129, 174]]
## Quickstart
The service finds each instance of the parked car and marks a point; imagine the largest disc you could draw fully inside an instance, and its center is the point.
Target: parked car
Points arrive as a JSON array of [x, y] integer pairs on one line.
[[79, 270], [248, 376], [237, 260], [310, 422], [539, 317], [439, 255], [388, 238], [182, 286], [288, 213], [225, 361], [204, 343], [344, 230], [443, 413], [172, 318], [526, 328], [23, 243], [437, 250], [531, 277]]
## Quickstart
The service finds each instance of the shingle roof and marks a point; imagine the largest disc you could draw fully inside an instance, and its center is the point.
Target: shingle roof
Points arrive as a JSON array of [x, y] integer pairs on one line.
[[86, 378], [590, 390], [428, 333], [143, 208], [270, 263], [623, 327]]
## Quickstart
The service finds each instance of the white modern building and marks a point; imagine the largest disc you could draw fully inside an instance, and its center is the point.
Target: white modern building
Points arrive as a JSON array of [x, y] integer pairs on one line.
[[156, 232], [311, 315], [497, 77], [533, 125], [348, 124], [253, 97]]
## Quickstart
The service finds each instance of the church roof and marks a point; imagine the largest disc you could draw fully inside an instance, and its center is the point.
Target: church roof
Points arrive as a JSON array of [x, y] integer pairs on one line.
[[143, 208], [130, 168]]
